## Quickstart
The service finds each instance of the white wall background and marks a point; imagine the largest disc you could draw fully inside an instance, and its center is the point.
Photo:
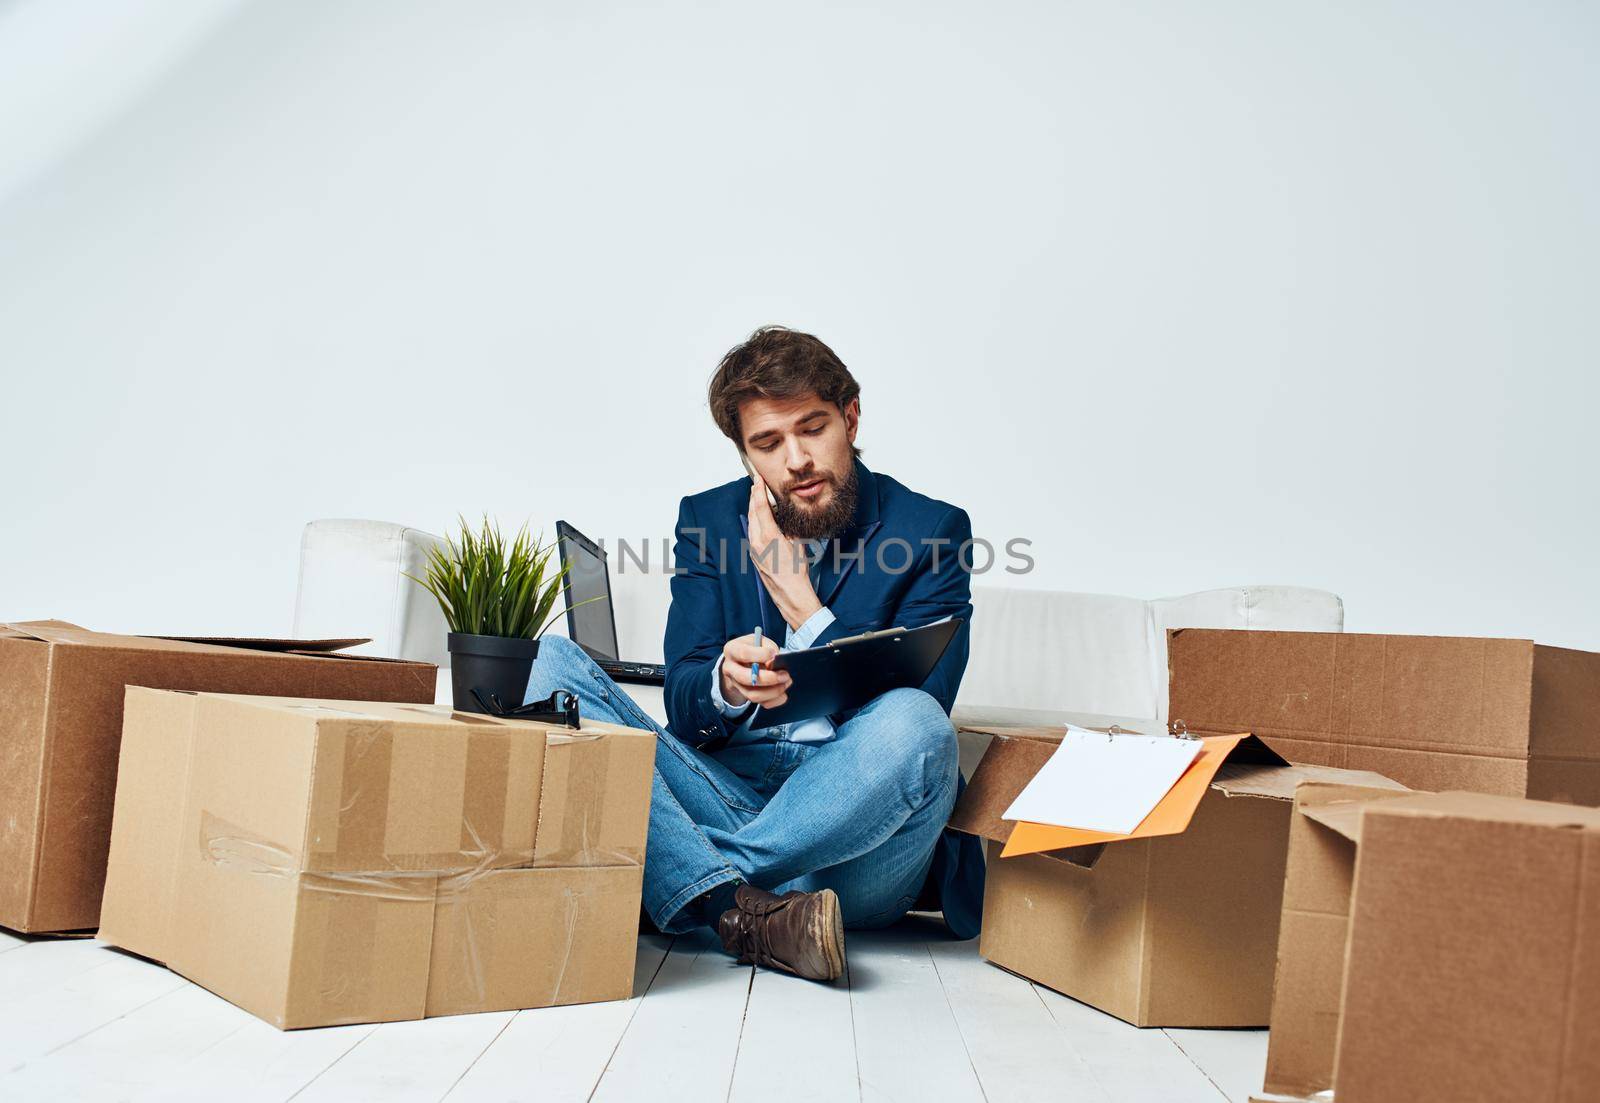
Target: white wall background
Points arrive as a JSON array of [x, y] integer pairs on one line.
[[1188, 294]]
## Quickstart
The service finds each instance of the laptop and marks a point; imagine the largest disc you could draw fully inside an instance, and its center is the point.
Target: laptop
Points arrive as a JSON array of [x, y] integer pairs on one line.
[[593, 626]]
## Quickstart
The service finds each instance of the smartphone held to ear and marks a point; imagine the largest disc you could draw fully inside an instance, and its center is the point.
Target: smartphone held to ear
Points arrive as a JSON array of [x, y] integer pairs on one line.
[[772, 499]]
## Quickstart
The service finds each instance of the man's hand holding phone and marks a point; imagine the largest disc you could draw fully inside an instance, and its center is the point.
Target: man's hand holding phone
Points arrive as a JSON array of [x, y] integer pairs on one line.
[[781, 562], [744, 656]]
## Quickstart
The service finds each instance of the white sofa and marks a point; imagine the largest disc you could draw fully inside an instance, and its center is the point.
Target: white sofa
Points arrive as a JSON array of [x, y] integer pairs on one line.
[[1037, 655]]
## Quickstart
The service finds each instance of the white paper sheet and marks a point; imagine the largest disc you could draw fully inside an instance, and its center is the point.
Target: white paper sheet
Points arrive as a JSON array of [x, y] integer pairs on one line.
[[1103, 783]]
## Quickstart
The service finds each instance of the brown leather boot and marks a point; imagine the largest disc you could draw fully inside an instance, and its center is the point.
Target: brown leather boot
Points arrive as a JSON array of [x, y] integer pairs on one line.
[[798, 932]]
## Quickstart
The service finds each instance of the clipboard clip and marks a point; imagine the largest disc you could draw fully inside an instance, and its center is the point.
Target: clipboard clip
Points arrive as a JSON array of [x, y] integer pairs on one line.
[[1177, 729]]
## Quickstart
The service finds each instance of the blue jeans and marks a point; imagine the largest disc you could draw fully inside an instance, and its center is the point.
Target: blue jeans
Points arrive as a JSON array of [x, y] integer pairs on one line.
[[859, 814]]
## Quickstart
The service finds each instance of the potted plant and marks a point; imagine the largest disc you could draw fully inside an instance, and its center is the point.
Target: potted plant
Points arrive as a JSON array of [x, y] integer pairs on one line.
[[497, 600]]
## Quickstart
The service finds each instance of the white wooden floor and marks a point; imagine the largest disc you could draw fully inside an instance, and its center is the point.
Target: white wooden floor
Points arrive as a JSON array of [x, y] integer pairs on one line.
[[920, 1019]]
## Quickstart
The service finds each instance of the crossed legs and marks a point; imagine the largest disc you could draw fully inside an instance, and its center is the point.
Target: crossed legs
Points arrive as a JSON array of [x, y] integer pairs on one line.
[[859, 814]]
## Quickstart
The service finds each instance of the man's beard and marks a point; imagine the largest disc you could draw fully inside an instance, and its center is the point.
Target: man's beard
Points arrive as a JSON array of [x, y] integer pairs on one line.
[[800, 523]]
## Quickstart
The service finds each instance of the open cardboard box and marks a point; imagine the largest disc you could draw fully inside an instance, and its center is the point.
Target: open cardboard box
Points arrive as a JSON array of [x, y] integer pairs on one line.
[[1437, 947], [1433, 712], [322, 862], [61, 697], [1168, 930]]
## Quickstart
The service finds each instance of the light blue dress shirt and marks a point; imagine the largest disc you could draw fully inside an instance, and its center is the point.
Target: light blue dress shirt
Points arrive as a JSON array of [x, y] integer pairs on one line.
[[816, 730]]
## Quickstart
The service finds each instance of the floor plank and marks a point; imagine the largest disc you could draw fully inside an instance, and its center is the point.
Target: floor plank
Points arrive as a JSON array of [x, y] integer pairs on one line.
[[1131, 1065], [416, 1060], [37, 965], [919, 1018], [133, 1053], [95, 987], [908, 1044], [253, 1061], [559, 1053], [683, 1039], [1017, 1047], [767, 1068], [1235, 1060]]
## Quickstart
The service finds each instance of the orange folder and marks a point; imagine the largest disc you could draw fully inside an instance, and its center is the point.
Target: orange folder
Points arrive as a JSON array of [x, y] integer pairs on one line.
[[1170, 816]]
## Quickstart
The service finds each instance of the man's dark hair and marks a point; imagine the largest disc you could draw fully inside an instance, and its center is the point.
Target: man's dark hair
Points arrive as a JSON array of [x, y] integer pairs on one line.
[[777, 362]]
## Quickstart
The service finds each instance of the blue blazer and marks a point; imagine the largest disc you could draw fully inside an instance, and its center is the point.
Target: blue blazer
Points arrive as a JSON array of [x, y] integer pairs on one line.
[[897, 564]]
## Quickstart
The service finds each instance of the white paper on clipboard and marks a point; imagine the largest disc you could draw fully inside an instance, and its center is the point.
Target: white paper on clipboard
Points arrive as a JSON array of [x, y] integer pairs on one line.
[[1102, 782]]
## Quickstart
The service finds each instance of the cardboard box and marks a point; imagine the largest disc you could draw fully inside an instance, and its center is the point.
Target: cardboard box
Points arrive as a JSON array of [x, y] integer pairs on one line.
[[1177, 930], [321, 862], [61, 694], [1437, 946], [1433, 712]]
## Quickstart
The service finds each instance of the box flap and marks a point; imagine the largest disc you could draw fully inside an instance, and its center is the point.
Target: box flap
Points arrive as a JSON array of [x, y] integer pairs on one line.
[[1252, 751], [64, 632], [1049, 734], [266, 643], [1435, 713], [1011, 760], [1052, 733], [31, 629], [1017, 754], [46, 631], [1307, 990], [1564, 752], [1280, 783], [1007, 766], [1344, 815], [1489, 808], [1343, 818], [1336, 799]]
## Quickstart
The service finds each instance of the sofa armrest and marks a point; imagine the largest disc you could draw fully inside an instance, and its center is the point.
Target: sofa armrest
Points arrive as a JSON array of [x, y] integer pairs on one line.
[[353, 583]]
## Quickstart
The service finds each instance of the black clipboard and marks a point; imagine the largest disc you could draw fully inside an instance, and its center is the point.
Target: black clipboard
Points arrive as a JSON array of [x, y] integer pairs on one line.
[[847, 673]]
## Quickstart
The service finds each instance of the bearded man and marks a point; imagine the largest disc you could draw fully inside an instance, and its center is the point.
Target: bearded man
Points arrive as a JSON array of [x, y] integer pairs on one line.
[[779, 837]]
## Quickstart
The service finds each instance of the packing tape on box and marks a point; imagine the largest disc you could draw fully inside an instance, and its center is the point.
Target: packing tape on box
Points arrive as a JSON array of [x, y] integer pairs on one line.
[[379, 795], [579, 768], [540, 936], [347, 965], [359, 931], [238, 850], [360, 913], [584, 809], [498, 787], [483, 803], [356, 915], [227, 844], [462, 976]]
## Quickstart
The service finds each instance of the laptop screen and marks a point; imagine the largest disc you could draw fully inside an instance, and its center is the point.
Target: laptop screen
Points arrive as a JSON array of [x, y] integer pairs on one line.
[[593, 626]]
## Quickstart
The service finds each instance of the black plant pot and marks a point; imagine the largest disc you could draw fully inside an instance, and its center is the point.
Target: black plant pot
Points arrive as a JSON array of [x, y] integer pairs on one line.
[[496, 666]]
